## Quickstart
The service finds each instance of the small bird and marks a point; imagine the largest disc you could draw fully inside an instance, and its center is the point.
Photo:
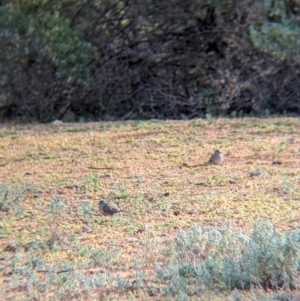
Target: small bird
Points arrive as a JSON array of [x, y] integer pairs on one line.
[[255, 173], [216, 158], [108, 208]]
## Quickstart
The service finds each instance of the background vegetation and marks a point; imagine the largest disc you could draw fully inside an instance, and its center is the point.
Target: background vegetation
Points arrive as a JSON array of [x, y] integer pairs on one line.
[[83, 60]]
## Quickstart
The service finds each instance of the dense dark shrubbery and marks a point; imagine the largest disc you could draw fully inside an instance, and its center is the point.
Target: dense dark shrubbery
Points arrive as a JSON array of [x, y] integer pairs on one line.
[[148, 59], [41, 55]]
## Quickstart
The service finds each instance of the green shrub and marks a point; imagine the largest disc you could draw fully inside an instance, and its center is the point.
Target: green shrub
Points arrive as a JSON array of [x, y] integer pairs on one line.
[[44, 61], [207, 258], [38, 28], [10, 200], [33, 275], [279, 35], [281, 40]]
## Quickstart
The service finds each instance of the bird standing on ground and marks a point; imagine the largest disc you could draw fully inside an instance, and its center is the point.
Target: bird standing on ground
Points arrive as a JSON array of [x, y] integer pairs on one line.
[[108, 208], [216, 158]]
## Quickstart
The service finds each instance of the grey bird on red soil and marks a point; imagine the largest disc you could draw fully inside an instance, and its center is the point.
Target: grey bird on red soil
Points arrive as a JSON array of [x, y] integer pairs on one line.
[[216, 158], [106, 208]]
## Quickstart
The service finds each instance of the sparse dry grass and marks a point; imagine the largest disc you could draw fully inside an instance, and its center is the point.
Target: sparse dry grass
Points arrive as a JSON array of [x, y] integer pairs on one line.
[[157, 171]]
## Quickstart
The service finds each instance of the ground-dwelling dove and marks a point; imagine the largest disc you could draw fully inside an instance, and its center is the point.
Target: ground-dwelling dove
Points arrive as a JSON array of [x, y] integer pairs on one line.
[[108, 208], [216, 158]]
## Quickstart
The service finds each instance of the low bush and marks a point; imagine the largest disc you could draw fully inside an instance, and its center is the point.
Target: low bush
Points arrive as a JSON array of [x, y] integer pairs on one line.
[[223, 259]]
